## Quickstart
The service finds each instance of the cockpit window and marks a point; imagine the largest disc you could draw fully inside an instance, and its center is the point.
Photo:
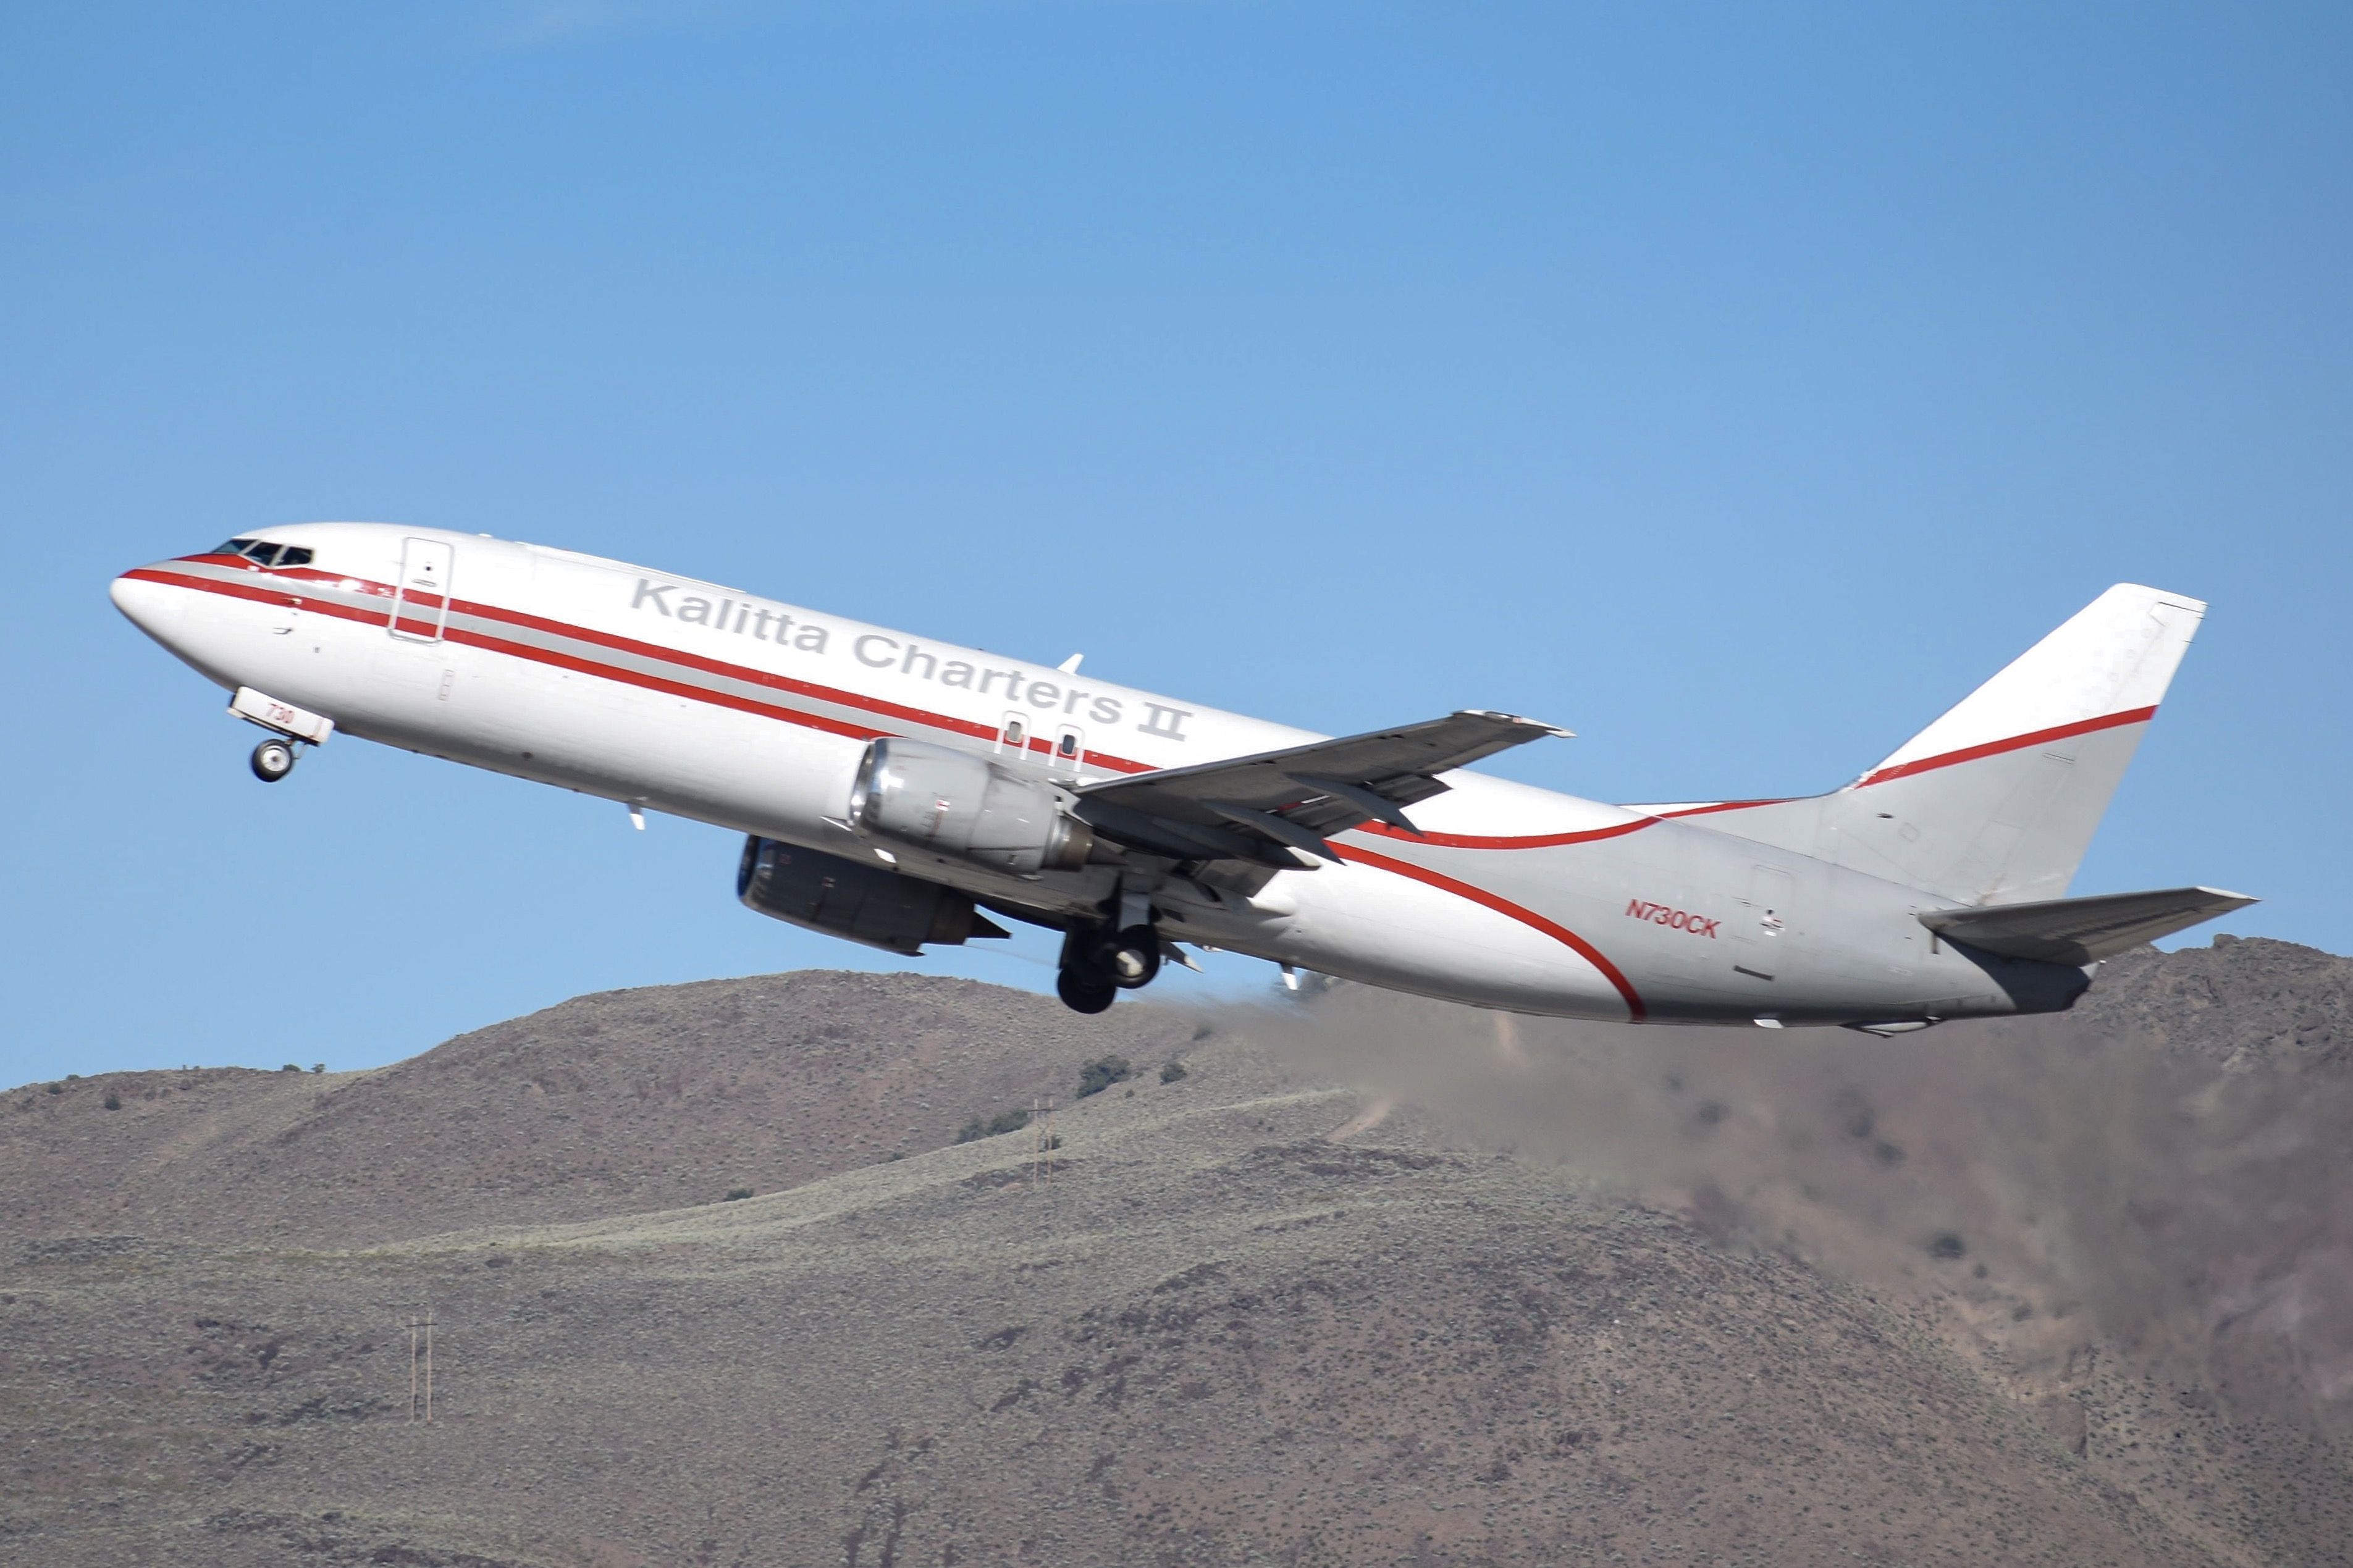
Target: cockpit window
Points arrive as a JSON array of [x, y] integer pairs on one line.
[[261, 553]]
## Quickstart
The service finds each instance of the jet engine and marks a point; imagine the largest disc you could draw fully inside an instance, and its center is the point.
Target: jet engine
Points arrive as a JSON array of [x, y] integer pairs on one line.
[[953, 802], [843, 898]]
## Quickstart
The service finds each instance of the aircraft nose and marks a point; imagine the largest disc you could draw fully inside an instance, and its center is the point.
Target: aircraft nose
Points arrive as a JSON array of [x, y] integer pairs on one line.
[[147, 604]]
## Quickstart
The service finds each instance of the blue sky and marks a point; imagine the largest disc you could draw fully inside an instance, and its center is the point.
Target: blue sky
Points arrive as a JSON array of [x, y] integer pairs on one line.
[[1736, 386]]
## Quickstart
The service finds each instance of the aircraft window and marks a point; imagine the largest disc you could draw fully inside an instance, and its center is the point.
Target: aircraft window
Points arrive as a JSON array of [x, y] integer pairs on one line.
[[1067, 746], [261, 553], [1015, 735]]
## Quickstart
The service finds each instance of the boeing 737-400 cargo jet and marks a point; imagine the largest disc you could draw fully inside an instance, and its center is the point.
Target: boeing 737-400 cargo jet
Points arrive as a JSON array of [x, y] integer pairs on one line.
[[893, 788]]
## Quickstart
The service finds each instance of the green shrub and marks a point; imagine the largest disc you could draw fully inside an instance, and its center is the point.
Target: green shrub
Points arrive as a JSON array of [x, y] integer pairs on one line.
[[737, 1194], [975, 1129], [290, 1067], [1101, 1073], [113, 1100], [1170, 1071]]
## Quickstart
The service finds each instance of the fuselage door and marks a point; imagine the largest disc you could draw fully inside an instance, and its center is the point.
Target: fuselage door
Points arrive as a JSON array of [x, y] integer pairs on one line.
[[420, 600], [1758, 930]]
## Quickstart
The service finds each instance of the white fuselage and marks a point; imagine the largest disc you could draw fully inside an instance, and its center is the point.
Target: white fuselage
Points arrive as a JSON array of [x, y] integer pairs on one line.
[[706, 703]]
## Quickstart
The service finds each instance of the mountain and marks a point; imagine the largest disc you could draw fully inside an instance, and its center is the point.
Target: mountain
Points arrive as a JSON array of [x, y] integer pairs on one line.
[[615, 1103], [2244, 1001], [1274, 1309]]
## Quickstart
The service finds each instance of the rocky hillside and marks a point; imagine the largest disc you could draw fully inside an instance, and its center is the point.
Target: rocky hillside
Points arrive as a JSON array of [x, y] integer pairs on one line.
[[2241, 1002], [614, 1103], [1216, 1337], [1256, 1315]]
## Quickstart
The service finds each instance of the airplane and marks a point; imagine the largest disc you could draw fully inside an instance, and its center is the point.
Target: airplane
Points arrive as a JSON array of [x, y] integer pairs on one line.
[[898, 791]]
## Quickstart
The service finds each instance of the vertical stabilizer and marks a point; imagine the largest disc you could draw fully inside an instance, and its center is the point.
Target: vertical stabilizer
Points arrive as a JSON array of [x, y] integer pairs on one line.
[[1996, 802]]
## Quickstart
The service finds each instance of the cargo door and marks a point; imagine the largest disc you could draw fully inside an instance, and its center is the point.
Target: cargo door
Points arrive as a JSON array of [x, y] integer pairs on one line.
[[1762, 925], [420, 599]]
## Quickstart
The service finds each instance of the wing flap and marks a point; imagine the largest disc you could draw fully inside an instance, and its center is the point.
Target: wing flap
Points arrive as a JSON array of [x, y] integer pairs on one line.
[[1285, 802], [2082, 931]]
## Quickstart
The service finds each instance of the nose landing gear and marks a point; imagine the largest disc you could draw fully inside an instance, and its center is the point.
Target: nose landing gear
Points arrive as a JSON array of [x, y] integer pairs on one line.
[[272, 760], [288, 728], [1099, 962]]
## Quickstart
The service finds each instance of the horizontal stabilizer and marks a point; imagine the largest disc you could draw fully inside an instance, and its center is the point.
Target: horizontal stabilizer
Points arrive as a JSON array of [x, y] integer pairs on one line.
[[2082, 931]]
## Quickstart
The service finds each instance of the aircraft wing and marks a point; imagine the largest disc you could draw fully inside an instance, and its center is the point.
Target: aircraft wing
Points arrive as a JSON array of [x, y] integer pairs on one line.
[[2082, 931], [1264, 808]]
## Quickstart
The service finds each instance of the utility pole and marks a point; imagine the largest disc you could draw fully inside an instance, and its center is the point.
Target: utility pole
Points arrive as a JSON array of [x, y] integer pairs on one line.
[[1041, 1140], [422, 1326]]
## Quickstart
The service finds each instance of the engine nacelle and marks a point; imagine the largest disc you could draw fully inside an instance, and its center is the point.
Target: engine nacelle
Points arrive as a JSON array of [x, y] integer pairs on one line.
[[953, 802], [843, 898]]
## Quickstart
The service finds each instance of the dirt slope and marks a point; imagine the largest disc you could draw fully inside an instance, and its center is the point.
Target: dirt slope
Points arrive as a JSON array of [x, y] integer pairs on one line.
[[614, 1103], [1256, 1317], [1215, 1338]]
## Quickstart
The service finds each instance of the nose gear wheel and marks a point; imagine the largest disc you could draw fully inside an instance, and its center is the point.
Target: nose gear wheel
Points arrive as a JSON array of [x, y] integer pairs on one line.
[[272, 760]]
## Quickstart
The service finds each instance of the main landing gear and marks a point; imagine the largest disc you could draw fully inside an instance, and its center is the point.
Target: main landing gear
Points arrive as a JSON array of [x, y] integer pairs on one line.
[[273, 760], [1099, 963]]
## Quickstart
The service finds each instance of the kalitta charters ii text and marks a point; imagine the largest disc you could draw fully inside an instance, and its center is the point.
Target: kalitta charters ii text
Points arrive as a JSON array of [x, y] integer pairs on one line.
[[1044, 691]]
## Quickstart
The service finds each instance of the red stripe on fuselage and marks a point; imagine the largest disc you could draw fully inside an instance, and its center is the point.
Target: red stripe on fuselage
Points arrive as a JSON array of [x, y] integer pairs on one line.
[[1490, 841], [658, 683], [655, 651], [1880, 776], [272, 596], [255, 593], [1943, 759], [1635, 1011], [780, 682], [1721, 806]]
